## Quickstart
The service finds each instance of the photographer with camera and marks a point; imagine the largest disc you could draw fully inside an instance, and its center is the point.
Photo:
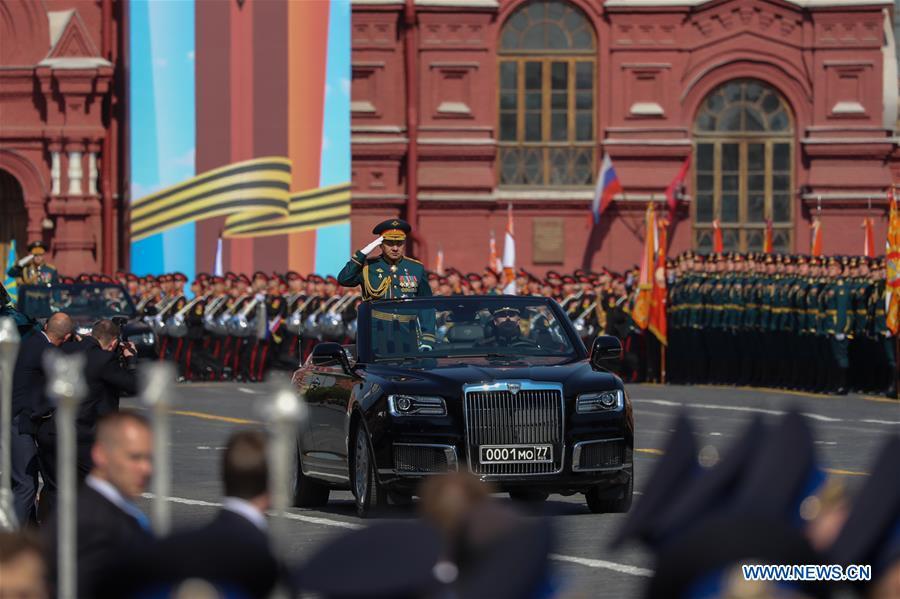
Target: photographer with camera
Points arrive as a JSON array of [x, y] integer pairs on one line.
[[108, 373]]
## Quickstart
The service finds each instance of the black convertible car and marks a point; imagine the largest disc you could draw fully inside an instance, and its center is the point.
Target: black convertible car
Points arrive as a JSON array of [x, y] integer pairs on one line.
[[87, 303], [500, 386]]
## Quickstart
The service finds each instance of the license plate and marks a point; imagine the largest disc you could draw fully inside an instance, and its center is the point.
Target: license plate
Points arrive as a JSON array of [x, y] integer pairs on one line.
[[515, 454]]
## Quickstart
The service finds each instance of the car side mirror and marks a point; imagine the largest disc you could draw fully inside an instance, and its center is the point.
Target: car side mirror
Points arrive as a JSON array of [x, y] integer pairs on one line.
[[605, 348], [329, 352]]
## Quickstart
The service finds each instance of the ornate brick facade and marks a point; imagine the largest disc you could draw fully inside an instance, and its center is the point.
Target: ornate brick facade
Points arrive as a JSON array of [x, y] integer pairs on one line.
[[425, 93], [61, 129]]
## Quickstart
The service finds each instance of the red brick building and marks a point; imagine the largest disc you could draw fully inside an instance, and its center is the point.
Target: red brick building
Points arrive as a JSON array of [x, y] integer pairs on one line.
[[62, 122], [461, 107]]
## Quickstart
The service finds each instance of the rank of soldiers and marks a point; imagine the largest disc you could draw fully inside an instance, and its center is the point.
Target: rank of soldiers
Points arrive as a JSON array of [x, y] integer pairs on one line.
[[776, 320]]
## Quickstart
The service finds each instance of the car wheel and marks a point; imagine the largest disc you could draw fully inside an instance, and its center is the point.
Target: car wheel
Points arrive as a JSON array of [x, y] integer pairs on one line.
[[308, 492], [529, 495], [616, 500], [368, 493]]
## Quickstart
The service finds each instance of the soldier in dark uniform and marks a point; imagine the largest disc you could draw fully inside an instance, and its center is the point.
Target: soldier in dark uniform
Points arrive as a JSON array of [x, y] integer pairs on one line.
[[837, 324], [392, 276], [270, 344]]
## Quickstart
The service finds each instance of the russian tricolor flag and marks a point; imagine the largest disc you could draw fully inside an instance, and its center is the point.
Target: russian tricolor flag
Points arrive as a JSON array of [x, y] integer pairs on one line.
[[607, 187]]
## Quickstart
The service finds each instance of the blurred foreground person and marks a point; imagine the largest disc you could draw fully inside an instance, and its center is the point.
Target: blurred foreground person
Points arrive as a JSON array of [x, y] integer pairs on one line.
[[109, 523], [22, 571], [484, 537], [108, 374], [32, 410], [871, 533], [231, 553]]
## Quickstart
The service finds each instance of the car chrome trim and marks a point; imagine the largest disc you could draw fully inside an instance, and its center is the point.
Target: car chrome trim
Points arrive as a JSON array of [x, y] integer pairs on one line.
[[520, 385], [576, 456], [340, 477], [449, 453]]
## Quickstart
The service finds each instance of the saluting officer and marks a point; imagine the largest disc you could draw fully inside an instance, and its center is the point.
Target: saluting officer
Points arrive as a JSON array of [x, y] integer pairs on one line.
[[33, 269], [391, 275]]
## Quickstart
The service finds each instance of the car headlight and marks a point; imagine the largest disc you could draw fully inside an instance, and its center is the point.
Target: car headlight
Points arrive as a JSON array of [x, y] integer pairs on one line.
[[416, 405], [601, 401]]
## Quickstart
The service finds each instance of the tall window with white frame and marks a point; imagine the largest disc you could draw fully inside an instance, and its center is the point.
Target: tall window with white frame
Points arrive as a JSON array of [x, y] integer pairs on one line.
[[547, 89], [744, 151]]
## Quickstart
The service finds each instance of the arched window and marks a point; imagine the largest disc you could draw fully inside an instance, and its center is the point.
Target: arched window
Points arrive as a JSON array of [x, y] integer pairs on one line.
[[743, 138], [547, 89]]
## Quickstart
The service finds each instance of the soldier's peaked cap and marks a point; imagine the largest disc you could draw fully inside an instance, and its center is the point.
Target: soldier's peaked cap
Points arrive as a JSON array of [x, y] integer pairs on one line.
[[782, 474], [871, 534], [394, 229], [671, 475], [713, 487], [37, 248]]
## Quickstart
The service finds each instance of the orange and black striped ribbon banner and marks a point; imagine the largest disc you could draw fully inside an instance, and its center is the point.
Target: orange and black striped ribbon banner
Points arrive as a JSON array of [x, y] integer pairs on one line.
[[255, 196]]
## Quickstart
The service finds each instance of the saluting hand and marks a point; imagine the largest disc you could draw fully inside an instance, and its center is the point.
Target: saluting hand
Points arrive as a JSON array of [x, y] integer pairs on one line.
[[26, 260], [371, 247]]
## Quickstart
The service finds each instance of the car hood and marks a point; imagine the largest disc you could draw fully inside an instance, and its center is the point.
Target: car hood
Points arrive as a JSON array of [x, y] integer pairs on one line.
[[448, 380]]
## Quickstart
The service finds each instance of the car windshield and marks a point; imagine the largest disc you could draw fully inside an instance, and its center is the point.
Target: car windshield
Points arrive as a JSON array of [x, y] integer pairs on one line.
[[88, 300], [499, 327]]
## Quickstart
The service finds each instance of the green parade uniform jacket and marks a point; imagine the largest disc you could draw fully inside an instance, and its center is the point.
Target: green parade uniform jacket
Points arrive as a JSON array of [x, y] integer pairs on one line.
[[380, 279]]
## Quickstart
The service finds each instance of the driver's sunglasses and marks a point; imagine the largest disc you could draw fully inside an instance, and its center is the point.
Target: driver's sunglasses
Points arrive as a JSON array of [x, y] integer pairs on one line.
[[506, 316]]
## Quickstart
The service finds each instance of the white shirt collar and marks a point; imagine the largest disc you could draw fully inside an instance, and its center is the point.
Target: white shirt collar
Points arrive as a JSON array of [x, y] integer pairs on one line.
[[247, 510], [111, 493]]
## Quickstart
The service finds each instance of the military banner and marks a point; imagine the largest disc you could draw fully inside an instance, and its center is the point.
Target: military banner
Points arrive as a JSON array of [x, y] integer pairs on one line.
[[892, 262], [255, 196]]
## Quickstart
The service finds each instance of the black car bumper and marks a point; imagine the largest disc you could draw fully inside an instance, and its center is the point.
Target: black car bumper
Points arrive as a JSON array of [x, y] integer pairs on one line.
[[597, 451]]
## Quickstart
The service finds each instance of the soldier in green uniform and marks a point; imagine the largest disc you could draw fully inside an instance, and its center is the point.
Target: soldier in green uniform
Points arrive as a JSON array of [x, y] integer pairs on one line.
[[33, 268], [837, 302], [392, 276]]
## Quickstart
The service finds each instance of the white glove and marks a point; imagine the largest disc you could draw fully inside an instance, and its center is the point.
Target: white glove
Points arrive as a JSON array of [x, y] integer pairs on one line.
[[371, 247], [425, 347], [840, 336], [260, 297], [26, 260]]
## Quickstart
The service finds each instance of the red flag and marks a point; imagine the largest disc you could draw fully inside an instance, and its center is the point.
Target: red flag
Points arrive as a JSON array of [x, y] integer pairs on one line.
[[674, 188], [657, 324], [869, 237], [816, 242], [767, 244], [718, 246]]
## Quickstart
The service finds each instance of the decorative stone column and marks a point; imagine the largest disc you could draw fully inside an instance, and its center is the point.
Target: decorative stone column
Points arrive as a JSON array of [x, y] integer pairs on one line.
[[76, 170]]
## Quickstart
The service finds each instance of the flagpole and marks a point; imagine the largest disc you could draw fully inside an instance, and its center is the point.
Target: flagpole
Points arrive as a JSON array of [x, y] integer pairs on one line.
[[662, 363]]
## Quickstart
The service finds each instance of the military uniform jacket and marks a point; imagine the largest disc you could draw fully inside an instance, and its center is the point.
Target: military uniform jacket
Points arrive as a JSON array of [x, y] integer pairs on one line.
[[45, 274], [380, 279]]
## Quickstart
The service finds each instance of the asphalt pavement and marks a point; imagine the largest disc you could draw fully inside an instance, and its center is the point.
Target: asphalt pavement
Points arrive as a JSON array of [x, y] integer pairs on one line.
[[849, 430]]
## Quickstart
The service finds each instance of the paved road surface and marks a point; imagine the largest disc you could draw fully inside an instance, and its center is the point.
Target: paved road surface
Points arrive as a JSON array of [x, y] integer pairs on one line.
[[849, 431]]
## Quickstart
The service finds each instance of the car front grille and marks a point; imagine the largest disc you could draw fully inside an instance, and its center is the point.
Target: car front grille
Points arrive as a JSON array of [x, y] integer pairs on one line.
[[497, 416], [423, 459], [599, 455]]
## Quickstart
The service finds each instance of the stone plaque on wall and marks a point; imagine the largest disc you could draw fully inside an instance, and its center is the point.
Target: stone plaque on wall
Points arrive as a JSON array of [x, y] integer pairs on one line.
[[547, 240]]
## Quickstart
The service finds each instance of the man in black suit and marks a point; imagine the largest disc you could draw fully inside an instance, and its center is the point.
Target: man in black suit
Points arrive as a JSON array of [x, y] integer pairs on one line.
[[232, 552], [106, 379], [109, 524], [29, 400]]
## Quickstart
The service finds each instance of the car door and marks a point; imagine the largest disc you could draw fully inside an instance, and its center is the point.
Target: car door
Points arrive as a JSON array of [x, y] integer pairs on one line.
[[334, 386]]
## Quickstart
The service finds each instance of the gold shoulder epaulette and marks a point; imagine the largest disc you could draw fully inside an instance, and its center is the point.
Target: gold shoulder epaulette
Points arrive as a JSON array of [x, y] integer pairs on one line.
[[411, 259]]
